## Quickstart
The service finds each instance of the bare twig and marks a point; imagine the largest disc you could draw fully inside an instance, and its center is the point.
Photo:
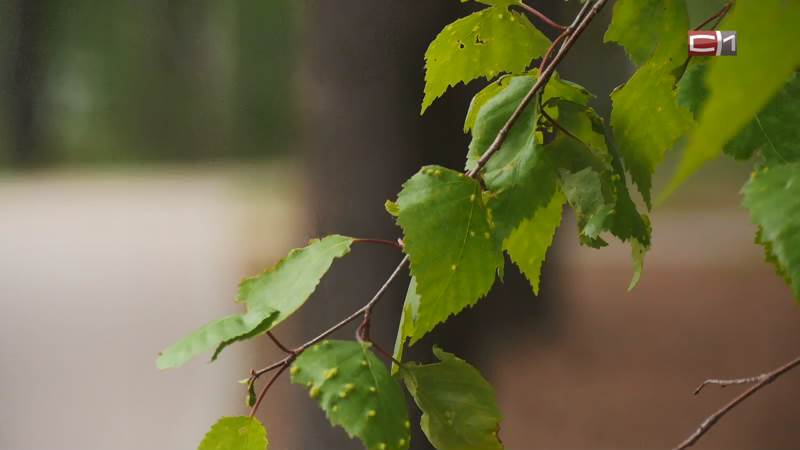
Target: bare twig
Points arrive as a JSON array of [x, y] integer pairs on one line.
[[574, 31], [542, 17], [550, 49], [719, 15], [396, 244], [279, 344], [760, 380], [269, 384], [385, 353], [726, 383]]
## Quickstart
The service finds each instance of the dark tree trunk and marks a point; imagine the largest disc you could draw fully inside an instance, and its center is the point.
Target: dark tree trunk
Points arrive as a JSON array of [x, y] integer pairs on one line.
[[26, 80]]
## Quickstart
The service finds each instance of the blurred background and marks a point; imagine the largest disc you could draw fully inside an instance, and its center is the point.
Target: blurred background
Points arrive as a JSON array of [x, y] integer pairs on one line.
[[152, 153]]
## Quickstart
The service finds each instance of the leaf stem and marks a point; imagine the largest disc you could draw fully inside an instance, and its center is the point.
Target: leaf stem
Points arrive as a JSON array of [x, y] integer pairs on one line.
[[269, 384], [760, 380], [396, 244], [719, 15], [542, 16], [279, 344], [561, 128]]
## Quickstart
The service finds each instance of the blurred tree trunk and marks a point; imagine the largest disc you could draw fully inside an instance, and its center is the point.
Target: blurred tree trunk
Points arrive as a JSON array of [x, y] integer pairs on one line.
[[26, 79], [361, 92]]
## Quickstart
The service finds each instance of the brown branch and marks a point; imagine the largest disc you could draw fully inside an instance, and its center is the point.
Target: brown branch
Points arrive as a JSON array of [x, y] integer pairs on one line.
[[542, 16], [760, 380], [573, 32]]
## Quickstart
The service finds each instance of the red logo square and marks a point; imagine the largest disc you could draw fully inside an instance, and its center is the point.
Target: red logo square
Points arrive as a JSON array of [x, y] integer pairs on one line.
[[703, 43]]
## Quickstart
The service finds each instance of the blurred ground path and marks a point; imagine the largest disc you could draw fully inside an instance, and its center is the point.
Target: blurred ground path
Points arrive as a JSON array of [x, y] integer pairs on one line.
[[98, 272], [620, 372], [101, 271]]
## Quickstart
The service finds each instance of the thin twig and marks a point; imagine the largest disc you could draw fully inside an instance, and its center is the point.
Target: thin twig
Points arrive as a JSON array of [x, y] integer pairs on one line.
[[574, 32], [395, 244], [550, 49], [279, 344], [269, 384], [257, 373], [385, 353], [542, 16], [360, 312], [765, 379], [719, 15], [726, 383]]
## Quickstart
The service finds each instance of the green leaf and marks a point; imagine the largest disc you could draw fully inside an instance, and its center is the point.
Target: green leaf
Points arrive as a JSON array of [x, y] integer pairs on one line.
[[647, 121], [769, 256], [741, 86], [392, 208], [484, 44], [584, 191], [287, 285], [555, 88], [585, 145], [518, 175], [270, 298], [527, 245], [459, 409], [212, 335], [406, 328], [772, 132], [691, 90], [593, 179], [558, 88], [251, 398], [646, 117], [235, 433], [356, 392], [773, 197], [650, 28], [448, 236]]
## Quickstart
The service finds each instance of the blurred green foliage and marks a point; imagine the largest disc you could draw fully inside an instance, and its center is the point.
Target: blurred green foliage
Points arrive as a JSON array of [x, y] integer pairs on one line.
[[125, 80]]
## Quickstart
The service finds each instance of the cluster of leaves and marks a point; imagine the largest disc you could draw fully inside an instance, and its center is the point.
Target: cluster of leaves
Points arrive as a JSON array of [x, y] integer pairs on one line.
[[559, 152]]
